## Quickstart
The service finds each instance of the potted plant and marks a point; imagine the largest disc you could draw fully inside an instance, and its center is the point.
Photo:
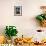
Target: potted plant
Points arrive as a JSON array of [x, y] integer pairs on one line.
[[42, 17], [10, 31]]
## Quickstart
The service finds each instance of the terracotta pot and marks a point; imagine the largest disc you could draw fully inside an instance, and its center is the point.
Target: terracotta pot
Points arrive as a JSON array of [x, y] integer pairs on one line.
[[43, 23]]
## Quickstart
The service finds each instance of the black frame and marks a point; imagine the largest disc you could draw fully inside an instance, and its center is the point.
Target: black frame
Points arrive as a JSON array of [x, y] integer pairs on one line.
[[17, 10]]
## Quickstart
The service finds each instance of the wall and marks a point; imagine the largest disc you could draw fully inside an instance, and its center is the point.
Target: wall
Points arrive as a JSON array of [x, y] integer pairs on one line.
[[26, 24]]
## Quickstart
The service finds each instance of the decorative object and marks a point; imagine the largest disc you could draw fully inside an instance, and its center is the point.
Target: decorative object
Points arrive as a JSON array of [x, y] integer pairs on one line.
[[17, 10], [42, 17], [10, 31]]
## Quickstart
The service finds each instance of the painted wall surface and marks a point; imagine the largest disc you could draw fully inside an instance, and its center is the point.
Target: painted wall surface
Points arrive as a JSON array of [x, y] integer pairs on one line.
[[26, 24]]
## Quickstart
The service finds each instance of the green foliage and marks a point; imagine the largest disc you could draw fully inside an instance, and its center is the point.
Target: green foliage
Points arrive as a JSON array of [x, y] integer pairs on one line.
[[45, 16], [11, 31], [41, 17]]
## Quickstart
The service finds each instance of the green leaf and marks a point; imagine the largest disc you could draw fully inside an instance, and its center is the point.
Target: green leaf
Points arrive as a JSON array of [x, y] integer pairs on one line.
[[45, 16], [40, 18], [10, 31]]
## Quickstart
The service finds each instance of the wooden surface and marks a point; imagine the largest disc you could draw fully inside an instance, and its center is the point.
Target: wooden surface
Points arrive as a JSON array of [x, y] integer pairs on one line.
[[30, 45]]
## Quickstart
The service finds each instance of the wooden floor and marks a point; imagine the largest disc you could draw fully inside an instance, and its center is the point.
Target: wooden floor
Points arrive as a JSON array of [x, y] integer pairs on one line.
[[30, 45]]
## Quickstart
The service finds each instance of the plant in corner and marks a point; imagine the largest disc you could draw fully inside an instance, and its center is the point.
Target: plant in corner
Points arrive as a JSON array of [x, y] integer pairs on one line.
[[11, 31], [42, 19]]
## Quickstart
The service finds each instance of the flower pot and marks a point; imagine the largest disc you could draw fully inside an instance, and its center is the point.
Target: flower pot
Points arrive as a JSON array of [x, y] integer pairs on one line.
[[9, 41], [43, 23], [13, 38]]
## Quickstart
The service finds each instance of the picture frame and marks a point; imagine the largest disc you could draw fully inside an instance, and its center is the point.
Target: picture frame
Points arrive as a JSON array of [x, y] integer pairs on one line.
[[17, 10]]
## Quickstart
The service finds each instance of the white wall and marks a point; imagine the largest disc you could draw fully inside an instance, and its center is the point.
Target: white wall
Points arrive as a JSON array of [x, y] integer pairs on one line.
[[26, 24]]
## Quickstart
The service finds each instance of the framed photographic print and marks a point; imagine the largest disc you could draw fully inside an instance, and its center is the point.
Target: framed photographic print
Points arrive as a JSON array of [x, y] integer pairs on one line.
[[17, 10]]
